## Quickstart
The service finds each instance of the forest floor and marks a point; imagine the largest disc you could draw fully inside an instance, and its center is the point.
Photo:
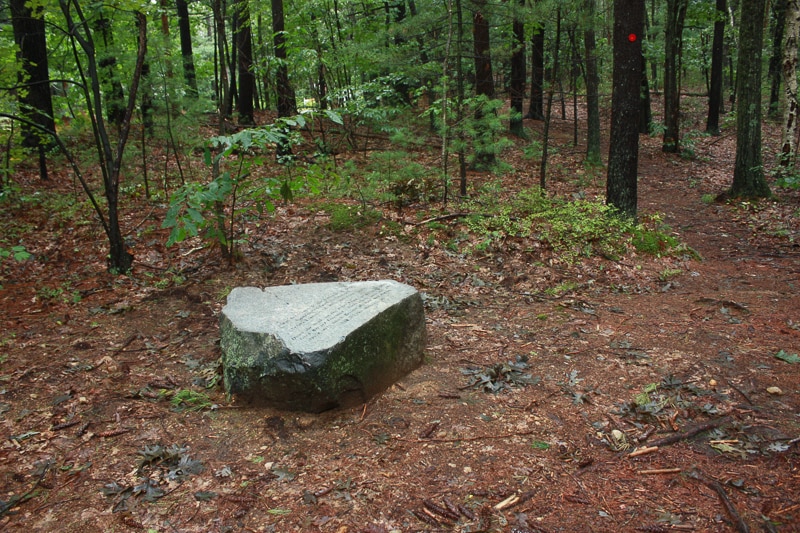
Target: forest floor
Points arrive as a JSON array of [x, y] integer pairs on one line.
[[109, 423]]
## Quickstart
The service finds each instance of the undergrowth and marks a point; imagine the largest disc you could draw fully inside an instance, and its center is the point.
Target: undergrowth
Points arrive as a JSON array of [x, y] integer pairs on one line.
[[573, 229]]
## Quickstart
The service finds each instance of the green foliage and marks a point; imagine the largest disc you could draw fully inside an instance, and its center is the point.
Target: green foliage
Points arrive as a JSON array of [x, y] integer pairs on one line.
[[213, 210], [573, 229], [791, 358], [787, 176], [348, 217], [653, 242], [482, 134], [397, 178], [17, 253], [189, 400]]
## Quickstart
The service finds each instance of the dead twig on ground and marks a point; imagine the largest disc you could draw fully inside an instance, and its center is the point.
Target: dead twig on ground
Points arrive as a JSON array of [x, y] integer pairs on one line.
[[717, 487], [688, 434], [467, 439]]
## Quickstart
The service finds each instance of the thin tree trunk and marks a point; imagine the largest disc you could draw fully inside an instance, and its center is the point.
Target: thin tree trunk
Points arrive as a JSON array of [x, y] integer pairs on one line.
[[120, 259], [673, 44], [517, 88], [557, 65], [715, 93], [185, 32], [287, 104], [536, 103], [779, 15], [460, 96], [224, 88], [484, 79], [645, 113], [244, 54], [592, 84]]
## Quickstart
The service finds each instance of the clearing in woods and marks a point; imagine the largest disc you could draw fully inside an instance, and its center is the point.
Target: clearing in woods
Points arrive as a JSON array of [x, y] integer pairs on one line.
[[541, 378]]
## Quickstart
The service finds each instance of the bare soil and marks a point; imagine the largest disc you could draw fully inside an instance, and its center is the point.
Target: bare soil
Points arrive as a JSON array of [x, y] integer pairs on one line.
[[677, 353]]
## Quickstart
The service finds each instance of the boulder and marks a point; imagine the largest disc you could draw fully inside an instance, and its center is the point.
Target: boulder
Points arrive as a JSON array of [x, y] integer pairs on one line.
[[317, 346]]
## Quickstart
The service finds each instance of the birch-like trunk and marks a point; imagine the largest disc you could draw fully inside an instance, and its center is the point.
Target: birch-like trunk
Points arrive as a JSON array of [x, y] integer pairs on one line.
[[791, 131]]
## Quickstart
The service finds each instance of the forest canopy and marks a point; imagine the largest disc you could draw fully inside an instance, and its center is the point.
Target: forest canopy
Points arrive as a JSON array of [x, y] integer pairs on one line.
[[252, 102]]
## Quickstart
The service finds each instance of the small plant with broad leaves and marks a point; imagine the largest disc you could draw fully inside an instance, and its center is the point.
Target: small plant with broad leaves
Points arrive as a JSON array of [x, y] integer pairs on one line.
[[17, 253], [214, 210]]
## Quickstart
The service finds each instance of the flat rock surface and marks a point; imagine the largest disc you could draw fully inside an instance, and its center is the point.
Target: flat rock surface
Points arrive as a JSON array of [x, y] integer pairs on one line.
[[313, 316], [317, 346]]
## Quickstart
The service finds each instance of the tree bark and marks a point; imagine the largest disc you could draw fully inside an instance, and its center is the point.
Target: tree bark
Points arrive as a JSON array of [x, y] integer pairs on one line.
[[779, 14], [110, 159], [287, 103], [460, 97], [715, 92], [673, 45], [645, 112], [484, 78], [217, 8], [592, 87], [623, 155], [536, 104], [185, 32], [517, 88], [107, 64], [748, 172], [791, 130], [244, 54], [36, 101]]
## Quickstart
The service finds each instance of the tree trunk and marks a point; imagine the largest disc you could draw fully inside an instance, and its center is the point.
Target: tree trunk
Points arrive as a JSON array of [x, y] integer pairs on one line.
[[146, 101], [110, 159], [484, 78], [673, 44], [287, 103], [244, 54], [779, 14], [623, 154], [592, 88], [517, 74], [107, 64], [536, 104], [185, 31], [715, 92], [217, 7], [791, 129], [460, 96], [645, 113], [36, 103], [748, 172]]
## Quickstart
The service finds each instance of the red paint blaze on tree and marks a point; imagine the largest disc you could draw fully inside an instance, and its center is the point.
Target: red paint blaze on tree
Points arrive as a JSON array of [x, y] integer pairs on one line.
[[623, 153], [632, 37]]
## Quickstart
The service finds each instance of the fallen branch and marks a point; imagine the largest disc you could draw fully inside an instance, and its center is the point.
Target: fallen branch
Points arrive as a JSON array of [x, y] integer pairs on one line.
[[467, 439], [717, 487], [643, 451], [655, 471], [688, 434]]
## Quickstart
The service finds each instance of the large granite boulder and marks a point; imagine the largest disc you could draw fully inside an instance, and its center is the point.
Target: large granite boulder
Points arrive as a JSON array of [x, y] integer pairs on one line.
[[318, 346]]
